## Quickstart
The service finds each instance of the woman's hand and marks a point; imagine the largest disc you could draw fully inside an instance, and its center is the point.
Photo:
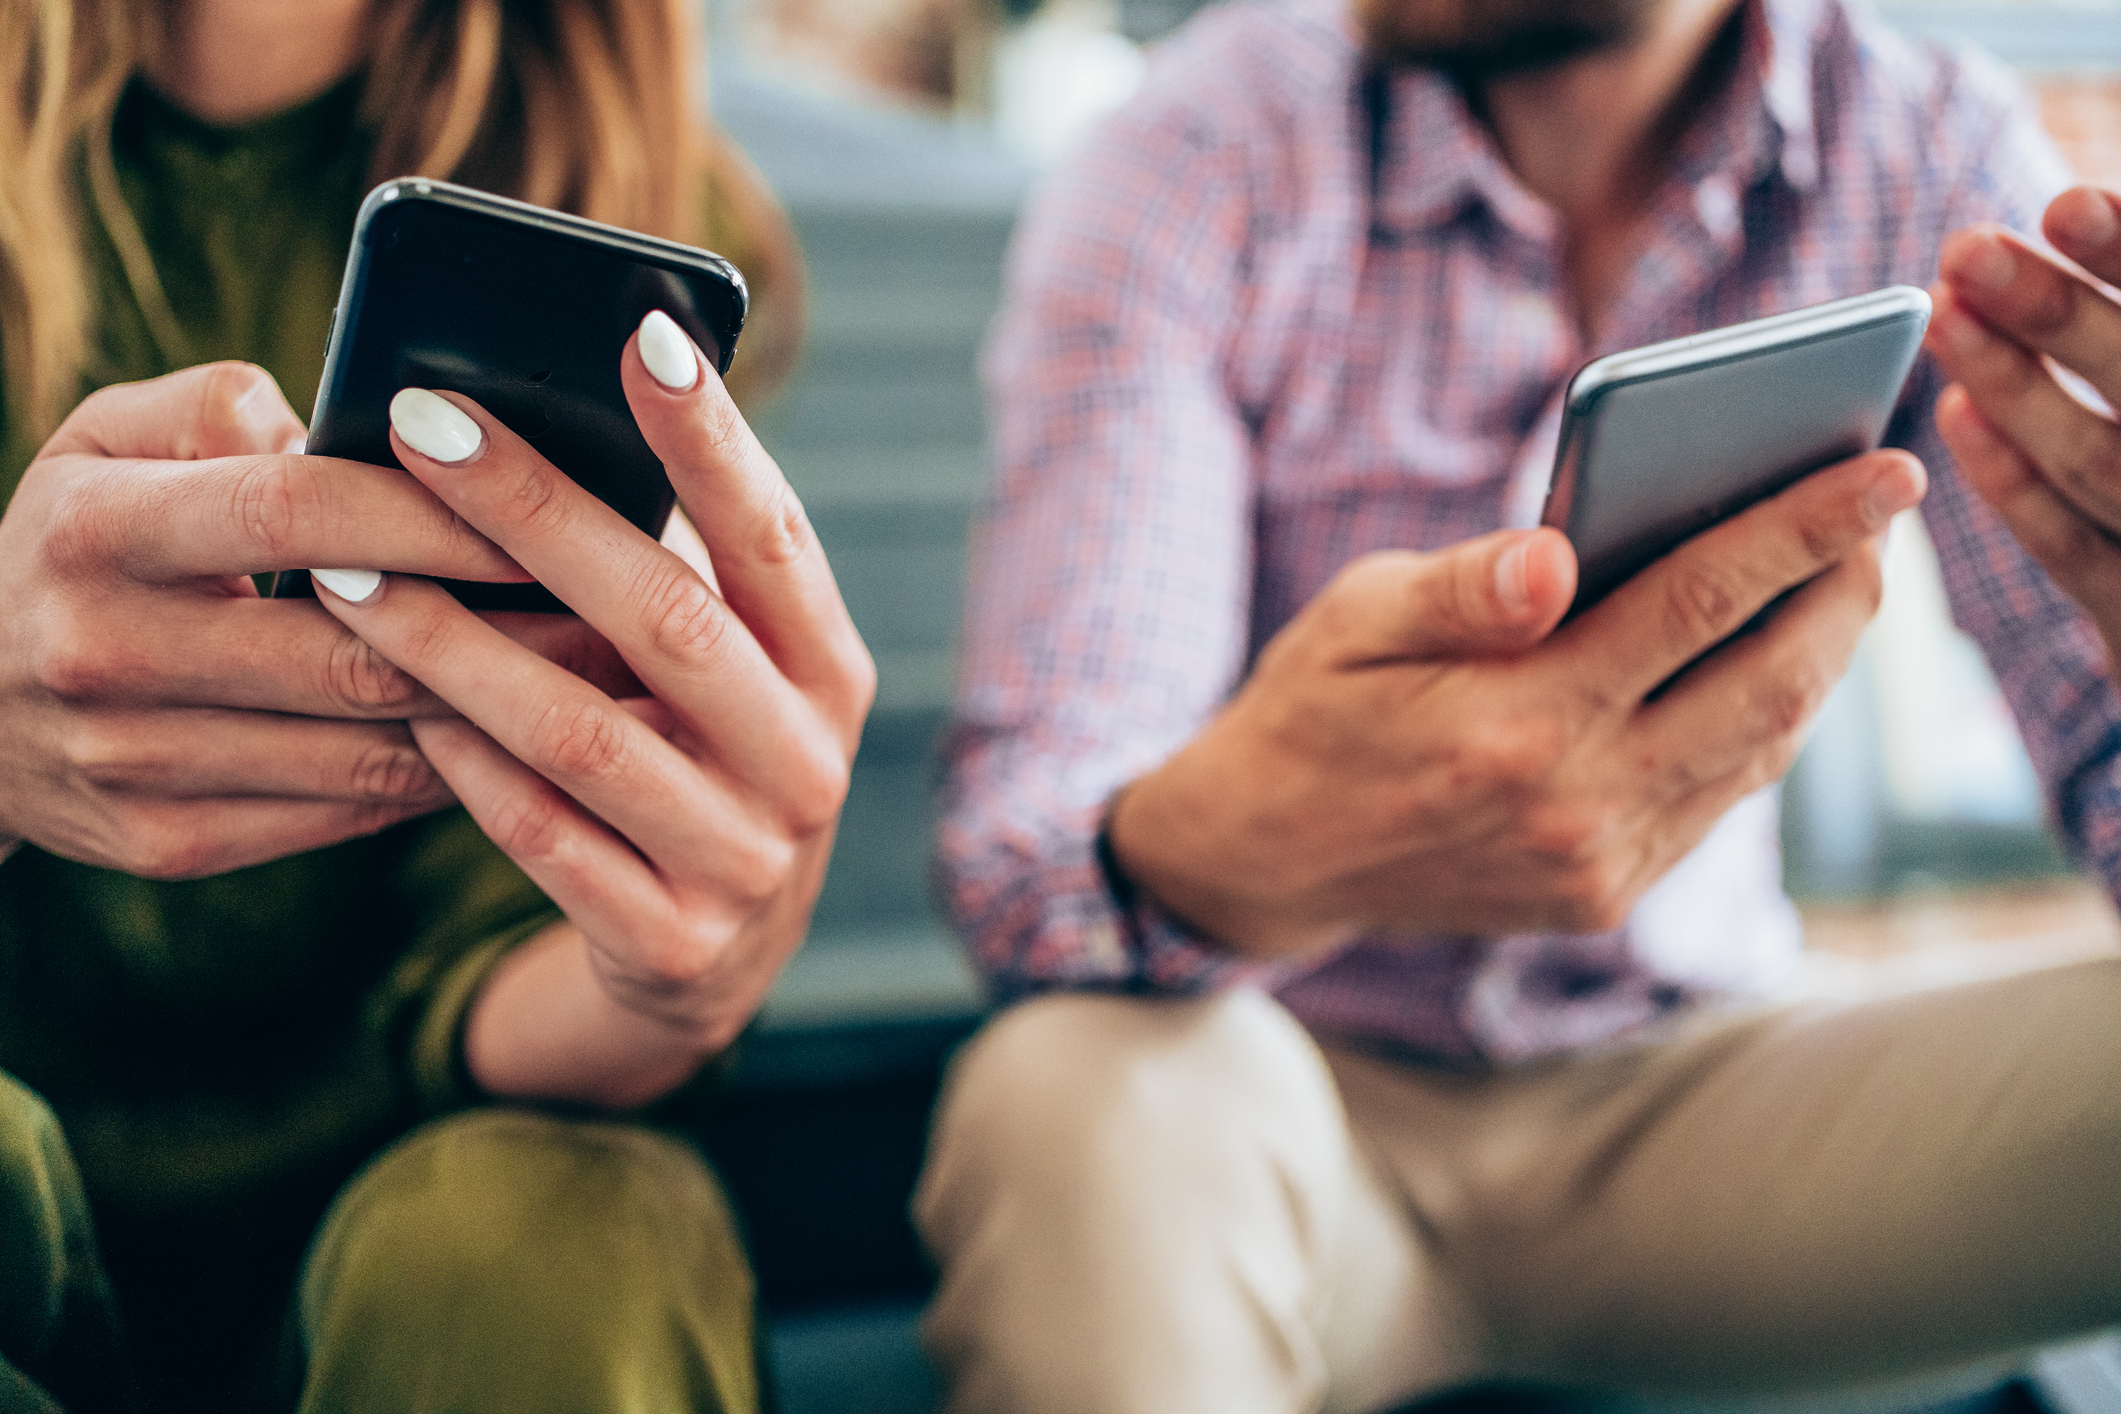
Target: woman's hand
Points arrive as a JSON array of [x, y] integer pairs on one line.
[[156, 715], [2007, 316], [684, 833]]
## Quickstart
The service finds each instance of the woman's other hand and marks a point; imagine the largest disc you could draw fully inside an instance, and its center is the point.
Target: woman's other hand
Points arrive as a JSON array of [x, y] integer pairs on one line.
[[156, 715], [685, 832], [2048, 460]]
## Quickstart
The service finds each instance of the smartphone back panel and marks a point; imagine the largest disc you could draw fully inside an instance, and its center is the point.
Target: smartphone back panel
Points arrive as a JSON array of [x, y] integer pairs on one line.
[[1662, 443], [526, 312]]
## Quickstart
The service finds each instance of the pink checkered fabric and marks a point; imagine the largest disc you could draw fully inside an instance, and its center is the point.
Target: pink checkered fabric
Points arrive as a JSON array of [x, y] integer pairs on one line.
[[1253, 332]]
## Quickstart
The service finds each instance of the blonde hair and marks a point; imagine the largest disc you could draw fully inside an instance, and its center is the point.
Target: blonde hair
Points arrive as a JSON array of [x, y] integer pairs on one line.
[[584, 105]]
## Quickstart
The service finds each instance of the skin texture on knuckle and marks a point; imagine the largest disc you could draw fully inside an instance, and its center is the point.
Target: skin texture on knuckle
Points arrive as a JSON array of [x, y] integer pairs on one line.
[[272, 499], [103, 760], [687, 622], [781, 533], [755, 869], [578, 741], [530, 828], [432, 635], [1785, 708], [363, 682], [813, 786], [723, 431], [1700, 604], [1822, 540], [460, 541], [1512, 754], [1679, 774], [75, 667], [1569, 835], [536, 503], [392, 773]]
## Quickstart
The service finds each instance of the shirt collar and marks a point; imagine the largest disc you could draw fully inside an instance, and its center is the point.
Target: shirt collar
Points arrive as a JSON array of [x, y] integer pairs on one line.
[[1782, 36], [1438, 159]]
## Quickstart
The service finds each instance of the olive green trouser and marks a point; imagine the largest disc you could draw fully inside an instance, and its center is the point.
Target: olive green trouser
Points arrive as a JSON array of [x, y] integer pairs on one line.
[[498, 1260]]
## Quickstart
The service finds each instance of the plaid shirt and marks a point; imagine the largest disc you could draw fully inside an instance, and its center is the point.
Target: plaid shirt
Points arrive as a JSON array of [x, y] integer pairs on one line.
[[1278, 314]]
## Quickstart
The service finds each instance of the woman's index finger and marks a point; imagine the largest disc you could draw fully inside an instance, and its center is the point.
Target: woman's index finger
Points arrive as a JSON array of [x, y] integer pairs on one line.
[[772, 570]]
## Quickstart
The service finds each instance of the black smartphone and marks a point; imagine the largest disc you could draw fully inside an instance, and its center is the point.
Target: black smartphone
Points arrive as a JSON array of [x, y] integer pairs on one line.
[[1660, 443], [524, 311]]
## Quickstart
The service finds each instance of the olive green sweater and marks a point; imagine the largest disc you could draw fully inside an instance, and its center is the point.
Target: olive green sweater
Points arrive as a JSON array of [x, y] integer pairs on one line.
[[226, 1046]]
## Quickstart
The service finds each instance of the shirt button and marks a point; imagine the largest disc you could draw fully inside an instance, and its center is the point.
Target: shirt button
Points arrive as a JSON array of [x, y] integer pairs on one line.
[[1717, 204], [1535, 319]]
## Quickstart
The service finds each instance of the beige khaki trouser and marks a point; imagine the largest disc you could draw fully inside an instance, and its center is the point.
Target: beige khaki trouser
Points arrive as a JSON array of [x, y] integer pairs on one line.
[[1160, 1207]]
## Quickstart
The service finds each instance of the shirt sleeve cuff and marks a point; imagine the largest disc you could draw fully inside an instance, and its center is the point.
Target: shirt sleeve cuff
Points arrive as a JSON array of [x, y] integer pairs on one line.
[[441, 1079], [1170, 955]]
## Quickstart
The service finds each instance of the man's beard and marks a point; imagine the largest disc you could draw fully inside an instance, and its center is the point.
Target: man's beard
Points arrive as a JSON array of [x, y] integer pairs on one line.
[[1489, 38]]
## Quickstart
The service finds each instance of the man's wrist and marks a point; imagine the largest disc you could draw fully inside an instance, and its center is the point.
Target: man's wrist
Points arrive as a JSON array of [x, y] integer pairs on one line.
[[1136, 880], [1154, 850], [1119, 884]]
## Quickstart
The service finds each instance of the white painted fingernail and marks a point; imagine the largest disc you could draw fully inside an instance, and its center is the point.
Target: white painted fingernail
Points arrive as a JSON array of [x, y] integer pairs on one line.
[[668, 353], [354, 586], [435, 427]]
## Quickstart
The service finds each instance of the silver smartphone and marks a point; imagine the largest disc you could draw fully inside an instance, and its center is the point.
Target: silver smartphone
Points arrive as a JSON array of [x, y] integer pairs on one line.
[[1660, 443]]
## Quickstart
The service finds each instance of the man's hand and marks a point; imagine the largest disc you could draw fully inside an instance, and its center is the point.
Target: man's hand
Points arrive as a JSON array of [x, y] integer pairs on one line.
[[156, 715], [2047, 462], [1421, 750]]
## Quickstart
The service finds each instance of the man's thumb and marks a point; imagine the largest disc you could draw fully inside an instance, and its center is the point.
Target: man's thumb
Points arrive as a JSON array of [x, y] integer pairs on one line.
[[1495, 594]]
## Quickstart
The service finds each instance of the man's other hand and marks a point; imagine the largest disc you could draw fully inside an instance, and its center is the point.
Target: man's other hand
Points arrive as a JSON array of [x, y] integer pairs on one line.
[[2043, 456], [1421, 749]]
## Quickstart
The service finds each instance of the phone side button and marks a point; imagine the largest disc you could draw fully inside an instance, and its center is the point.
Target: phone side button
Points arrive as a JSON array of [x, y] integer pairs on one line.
[[329, 330]]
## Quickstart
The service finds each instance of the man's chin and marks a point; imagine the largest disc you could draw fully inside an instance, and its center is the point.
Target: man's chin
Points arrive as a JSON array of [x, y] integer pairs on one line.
[[1495, 38]]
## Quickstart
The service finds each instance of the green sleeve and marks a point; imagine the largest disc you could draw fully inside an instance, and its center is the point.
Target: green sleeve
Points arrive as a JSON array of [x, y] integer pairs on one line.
[[468, 904]]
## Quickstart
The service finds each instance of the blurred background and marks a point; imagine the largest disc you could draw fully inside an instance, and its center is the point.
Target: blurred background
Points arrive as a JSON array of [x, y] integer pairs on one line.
[[903, 134]]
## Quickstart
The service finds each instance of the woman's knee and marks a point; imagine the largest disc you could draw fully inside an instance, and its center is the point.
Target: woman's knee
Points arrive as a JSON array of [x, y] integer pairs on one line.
[[504, 1251], [41, 1205], [58, 1327]]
